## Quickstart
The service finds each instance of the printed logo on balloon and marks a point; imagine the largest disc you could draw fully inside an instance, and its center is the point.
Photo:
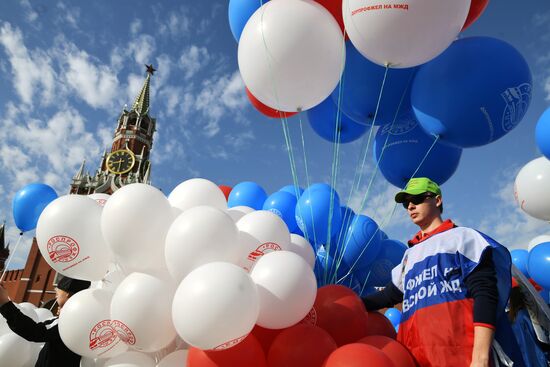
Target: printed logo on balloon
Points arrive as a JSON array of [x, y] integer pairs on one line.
[[311, 318], [517, 101], [230, 343], [62, 249], [103, 335], [124, 332], [263, 249]]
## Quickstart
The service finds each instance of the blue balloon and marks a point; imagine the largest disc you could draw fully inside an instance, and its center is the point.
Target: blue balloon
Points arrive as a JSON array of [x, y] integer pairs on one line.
[[239, 12], [361, 244], [542, 133], [347, 217], [323, 118], [247, 194], [520, 259], [284, 205], [292, 190], [29, 202], [545, 294], [473, 93], [383, 235], [404, 146], [394, 315], [539, 264], [312, 213], [379, 272], [361, 85], [329, 271]]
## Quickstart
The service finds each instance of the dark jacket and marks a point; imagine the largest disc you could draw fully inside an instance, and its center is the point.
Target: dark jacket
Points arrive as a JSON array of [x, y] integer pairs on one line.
[[54, 353]]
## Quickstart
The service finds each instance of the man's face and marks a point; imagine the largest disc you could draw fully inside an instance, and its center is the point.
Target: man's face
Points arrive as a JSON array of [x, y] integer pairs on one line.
[[61, 297], [423, 208]]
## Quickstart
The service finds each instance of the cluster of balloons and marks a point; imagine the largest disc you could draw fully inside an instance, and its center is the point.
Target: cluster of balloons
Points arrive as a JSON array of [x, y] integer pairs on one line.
[[16, 351], [534, 262]]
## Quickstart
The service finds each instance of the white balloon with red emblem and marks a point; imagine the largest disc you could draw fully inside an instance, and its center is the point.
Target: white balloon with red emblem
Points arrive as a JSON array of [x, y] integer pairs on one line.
[[261, 232], [14, 350], [141, 307], [85, 325], [131, 359], [197, 192], [403, 33], [215, 306], [237, 212], [531, 188], [285, 64], [174, 359], [286, 288], [70, 240], [100, 198], [299, 245], [198, 236], [135, 221]]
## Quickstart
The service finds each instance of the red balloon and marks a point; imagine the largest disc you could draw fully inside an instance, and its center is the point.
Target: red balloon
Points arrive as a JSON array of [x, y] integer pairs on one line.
[[394, 350], [247, 353], [335, 8], [265, 336], [358, 355], [340, 312], [300, 346], [476, 8], [266, 110], [378, 324], [226, 190]]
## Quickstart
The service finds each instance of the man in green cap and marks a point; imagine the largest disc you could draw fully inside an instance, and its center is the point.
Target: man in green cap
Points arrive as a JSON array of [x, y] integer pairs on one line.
[[450, 286]]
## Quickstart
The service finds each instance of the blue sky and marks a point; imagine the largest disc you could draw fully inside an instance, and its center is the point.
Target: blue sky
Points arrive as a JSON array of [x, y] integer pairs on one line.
[[67, 68]]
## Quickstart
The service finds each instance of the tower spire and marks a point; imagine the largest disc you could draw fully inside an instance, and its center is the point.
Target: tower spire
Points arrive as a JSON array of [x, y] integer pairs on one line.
[[141, 104]]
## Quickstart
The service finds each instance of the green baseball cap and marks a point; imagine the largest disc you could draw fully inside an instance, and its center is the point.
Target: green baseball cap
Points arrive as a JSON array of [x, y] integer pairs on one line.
[[417, 186]]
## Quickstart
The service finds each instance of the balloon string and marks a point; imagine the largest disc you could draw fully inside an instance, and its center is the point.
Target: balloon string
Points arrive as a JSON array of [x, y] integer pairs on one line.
[[335, 159], [360, 168], [11, 257], [352, 267], [376, 168]]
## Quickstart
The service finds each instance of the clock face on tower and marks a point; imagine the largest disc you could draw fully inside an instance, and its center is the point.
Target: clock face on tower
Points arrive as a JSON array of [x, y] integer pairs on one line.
[[120, 161]]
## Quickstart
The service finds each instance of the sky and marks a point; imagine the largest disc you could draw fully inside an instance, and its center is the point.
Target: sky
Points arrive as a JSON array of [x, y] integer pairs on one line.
[[68, 68]]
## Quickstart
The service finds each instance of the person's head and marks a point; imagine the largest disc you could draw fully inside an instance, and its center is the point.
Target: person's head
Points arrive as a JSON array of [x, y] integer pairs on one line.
[[66, 287], [422, 200]]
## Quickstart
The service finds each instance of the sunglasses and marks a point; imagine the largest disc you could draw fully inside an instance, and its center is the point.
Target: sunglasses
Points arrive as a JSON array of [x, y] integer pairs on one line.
[[416, 200]]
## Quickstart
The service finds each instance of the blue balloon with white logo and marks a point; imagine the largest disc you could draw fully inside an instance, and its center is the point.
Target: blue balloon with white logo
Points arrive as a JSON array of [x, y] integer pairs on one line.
[[284, 205], [403, 148], [291, 189], [29, 202], [474, 93], [542, 133], [239, 12], [361, 85], [247, 194], [313, 211], [520, 259], [539, 264], [361, 243], [325, 120]]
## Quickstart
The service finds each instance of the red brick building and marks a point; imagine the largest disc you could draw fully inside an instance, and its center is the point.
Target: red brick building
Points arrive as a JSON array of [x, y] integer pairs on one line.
[[127, 162]]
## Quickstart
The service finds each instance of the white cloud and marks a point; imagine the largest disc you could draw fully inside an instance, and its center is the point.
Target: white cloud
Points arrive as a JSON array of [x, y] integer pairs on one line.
[[32, 70], [135, 26], [172, 98], [141, 49], [178, 23], [69, 14], [192, 59], [30, 14], [96, 84]]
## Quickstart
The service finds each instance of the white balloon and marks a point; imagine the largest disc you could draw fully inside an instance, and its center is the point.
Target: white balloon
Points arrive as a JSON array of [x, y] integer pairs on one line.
[[261, 232], [85, 325], [405, 33], [538, 240], [237, 212], [43, 314], [28, 305], [13, 350], [200, 235], [135, 221], [28, 311], [215, 306], [36, 348], [90, 362], [299, 245], [4, 328], [197, 192], [174, 359], [291, 54], [141, 308], [286, 287], [532, 188], [69, 237], [131, 359], [101, 199], [111, 280]]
